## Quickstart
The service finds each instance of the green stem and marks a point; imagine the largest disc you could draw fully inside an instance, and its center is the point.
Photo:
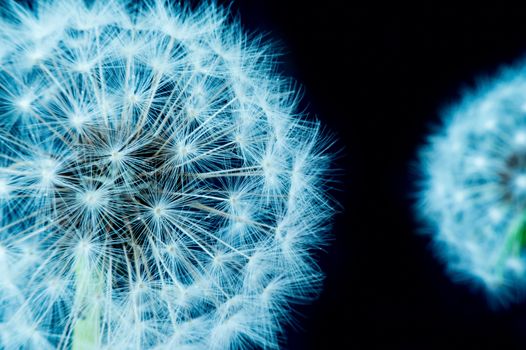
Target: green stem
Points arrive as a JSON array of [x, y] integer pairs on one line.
[[87, 328], [515, 242]]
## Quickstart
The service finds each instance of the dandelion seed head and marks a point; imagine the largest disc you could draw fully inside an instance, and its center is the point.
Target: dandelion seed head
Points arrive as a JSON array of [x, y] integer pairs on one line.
[[158, 188], [473, 193]]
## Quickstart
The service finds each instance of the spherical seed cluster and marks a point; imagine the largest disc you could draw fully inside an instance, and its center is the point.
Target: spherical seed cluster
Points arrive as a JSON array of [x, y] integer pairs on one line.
[[157, 188], [474, 187]]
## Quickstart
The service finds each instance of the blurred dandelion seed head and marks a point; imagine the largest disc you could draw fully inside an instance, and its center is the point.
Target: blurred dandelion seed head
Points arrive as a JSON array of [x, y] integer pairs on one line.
[[473, 193]]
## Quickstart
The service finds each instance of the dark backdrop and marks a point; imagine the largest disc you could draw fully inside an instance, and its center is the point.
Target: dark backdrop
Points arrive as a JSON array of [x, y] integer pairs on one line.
[[378, 76]]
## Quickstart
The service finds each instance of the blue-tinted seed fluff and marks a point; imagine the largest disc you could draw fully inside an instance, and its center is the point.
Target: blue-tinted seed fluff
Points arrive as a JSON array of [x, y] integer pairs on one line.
[[158, 188], [473, 193]]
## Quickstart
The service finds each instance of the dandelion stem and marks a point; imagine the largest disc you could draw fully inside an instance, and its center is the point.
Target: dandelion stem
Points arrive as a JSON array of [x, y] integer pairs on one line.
[[514, 243], [86, 332]]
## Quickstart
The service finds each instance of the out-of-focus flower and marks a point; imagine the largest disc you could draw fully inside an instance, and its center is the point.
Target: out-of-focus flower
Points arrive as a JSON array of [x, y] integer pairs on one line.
[[473, 193]]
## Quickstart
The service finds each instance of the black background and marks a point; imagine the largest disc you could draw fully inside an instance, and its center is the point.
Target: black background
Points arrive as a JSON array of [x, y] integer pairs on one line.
[[378, 76]]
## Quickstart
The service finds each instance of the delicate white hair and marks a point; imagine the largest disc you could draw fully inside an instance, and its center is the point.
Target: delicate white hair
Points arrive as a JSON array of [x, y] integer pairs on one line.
[[158, 188]]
